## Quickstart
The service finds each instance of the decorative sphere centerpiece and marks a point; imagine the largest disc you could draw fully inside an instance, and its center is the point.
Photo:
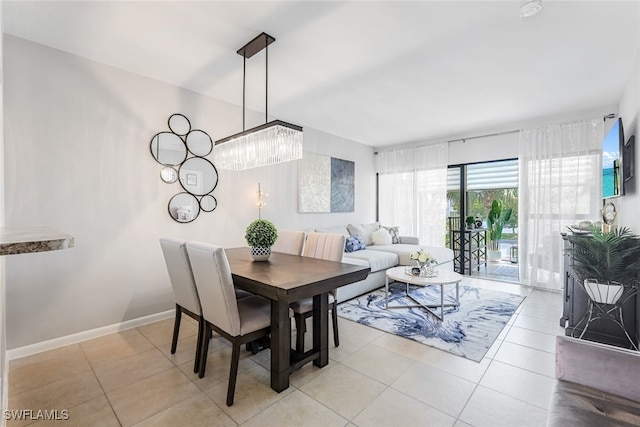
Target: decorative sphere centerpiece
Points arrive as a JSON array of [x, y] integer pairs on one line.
[[260, 236]]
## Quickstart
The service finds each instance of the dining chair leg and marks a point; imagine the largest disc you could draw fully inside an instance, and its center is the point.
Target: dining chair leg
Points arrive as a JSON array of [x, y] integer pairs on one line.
[[300, 330], [233, 372], [334, 318], [176, 329], [201, 334], [203, 352]]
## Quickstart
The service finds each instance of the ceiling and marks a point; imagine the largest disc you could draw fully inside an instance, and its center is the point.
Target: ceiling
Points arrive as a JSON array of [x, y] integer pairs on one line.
[[380, 73]]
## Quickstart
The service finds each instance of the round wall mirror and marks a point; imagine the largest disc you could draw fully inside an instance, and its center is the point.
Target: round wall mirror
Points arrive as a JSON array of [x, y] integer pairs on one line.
[[199, 143], [179, 124], [184, 207], [198, 176], [168, 149], [208, 203], [169, 175]]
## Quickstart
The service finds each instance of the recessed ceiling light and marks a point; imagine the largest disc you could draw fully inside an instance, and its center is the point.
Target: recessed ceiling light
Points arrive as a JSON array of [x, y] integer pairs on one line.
[[530, 8]]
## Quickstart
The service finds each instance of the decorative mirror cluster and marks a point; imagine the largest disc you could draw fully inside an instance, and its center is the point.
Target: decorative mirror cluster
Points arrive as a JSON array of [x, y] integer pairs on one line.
[[197, 175]]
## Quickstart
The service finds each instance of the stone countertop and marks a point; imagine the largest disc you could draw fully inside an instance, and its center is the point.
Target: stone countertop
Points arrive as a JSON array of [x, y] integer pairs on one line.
[[33, 239]]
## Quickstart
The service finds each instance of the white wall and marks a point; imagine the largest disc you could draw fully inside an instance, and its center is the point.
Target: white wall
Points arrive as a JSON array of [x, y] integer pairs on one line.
[[77, 139], [629, 108], [4, 364]]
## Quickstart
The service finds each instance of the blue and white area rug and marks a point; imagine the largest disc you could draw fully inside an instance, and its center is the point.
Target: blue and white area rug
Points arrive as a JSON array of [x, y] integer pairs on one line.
[[468, 330]]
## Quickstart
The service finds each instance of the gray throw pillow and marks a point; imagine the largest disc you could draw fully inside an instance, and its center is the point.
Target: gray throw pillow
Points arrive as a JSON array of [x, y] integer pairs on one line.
[[395, 234]]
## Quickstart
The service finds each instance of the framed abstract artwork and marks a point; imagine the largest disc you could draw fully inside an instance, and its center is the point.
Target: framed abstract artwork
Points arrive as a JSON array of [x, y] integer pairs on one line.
[[325, 184]]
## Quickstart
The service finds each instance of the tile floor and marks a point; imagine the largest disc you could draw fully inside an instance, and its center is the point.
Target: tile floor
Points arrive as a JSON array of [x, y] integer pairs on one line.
[[503, 271], [373, 379]]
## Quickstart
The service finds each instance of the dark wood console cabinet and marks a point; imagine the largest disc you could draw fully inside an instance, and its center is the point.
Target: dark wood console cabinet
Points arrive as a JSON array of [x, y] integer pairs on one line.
[[575, 301]]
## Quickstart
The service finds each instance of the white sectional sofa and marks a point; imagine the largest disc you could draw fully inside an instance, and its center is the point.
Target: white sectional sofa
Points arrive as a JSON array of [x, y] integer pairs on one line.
[[381, 257]]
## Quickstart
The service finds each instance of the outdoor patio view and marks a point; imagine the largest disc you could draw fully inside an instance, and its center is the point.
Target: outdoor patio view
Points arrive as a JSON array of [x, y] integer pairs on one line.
[[484, 185]]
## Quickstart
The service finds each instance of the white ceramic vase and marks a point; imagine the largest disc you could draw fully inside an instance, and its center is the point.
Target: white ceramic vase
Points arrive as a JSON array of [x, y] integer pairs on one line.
[[494, 256], [260, 253]]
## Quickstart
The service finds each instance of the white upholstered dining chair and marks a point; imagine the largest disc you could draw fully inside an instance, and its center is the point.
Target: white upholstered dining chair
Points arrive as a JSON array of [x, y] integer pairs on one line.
[[289, 242], [238, 320], [330, 247], [184, 290]]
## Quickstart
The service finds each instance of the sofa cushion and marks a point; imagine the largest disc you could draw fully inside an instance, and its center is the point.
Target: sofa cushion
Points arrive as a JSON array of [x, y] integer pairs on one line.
[[348, 259], [410, 240], [441, 254], [381, 237], [364, 231], [334, 230], [394, 232], [378, 260]]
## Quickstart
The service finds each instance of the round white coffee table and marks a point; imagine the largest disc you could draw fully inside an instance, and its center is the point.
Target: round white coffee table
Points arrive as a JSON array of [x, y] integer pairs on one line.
[[444, 277]]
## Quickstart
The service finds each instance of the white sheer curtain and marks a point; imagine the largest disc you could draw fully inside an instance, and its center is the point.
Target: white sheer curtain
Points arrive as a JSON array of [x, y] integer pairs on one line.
[[413, 191], [560, 185]]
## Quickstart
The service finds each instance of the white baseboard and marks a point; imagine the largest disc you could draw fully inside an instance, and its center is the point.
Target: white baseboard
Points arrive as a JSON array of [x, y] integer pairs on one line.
[[27, 350]]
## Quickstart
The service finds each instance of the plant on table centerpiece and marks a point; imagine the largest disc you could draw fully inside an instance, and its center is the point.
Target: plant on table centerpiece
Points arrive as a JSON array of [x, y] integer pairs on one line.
[[260, 236], [605, 261], [497, 218], [425, 261]]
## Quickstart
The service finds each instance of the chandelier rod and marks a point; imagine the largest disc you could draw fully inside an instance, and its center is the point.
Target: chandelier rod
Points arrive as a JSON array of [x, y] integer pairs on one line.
[[266, 82], [260, 42], [244, 79]]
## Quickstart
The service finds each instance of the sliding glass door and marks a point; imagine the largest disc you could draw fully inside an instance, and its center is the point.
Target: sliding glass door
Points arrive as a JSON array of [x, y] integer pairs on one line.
[[471, 190]]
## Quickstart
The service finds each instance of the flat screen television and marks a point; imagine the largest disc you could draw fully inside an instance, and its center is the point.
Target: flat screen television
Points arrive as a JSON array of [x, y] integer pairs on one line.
[[629, 155], [612, 161]]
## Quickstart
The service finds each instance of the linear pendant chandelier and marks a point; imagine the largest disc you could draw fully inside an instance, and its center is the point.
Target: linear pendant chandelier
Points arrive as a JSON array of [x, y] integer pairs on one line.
[[270, 143]]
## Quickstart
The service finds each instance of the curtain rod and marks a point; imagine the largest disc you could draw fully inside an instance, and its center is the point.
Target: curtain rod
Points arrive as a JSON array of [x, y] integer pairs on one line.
[[608, 116], [485, 136]]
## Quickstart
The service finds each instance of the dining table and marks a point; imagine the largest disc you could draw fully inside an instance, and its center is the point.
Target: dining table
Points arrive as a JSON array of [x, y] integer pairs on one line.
[[283, 279]]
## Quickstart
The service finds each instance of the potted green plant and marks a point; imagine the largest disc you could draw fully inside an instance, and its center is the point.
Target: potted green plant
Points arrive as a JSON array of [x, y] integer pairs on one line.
[[260, 236], [606, 261], [497, 218], [470, 220]]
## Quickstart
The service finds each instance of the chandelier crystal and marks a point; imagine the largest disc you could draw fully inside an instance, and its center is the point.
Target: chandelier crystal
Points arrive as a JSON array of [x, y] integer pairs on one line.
[[267, 144]]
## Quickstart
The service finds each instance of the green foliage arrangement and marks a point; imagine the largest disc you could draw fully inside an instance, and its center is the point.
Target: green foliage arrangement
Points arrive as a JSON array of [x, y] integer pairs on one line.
[[497, 218], [479, 203], [606, 256], [261, 234]]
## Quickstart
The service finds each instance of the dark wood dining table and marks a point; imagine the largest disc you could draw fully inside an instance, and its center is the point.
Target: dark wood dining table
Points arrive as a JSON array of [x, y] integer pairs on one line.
[[284, 279]]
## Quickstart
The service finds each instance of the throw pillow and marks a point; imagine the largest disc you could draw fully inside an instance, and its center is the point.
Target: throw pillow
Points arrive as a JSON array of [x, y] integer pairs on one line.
[[364, 231], [395, 234], [353, 243], [381, 237]]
